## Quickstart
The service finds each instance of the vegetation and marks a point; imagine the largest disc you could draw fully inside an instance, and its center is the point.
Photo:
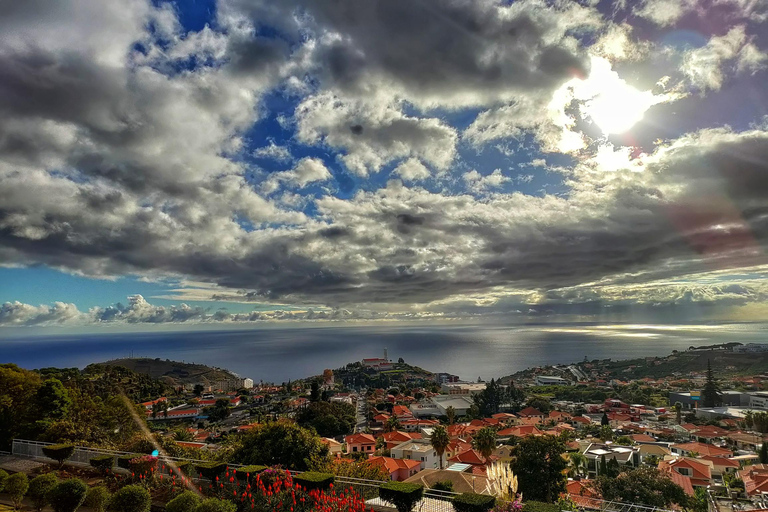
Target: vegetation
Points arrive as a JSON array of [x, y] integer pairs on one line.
[[328, 419], [282, 443], [402, 495], [131, 498], [710, 394], [471, 502], [540, 467], [3, 478], [443, 485], [16, 487], [211, 470], [215, 505], [645, 486], [185, 502], [484, 441], [102, 462], [440, 441], [248, 472], [490, 400], [67, 496], [538, 506], [363, 469], [311, 480], [97, 498], [59, 452], [39, 487]]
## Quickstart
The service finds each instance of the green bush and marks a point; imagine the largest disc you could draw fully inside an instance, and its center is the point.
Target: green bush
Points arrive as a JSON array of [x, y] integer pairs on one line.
[[211, 470], [59, 452], [124, 461], [185, 467], [68, 495], [39, 488], [16, 487], [187, 501], [403, 496], [246, 472], [3, 478], [539, 506], [97, 498], [444, 485], [314, 480], [102, 462], [131, 498], [471, 502], [216, 505]]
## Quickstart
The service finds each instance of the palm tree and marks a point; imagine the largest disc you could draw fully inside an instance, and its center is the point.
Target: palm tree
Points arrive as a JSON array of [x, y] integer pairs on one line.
[[578, 464], [392, 424], [485, 442], [679, 412], [450, 412], [440, 441]]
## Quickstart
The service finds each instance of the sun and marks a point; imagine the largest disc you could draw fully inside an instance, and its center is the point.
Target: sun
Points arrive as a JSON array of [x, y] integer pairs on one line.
[[609, 101]]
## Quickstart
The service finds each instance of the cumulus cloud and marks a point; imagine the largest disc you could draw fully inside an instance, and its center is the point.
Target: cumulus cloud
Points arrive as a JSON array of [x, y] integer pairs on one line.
[[478, 183], [412, 170], [273, 151], [307, 170]]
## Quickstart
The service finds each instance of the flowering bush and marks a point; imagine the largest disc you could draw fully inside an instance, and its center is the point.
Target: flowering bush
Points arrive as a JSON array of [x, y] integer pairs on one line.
[[508, 506]]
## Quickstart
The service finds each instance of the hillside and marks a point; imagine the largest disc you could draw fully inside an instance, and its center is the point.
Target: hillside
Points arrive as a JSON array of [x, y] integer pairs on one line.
[[173, 372], [724, 363]]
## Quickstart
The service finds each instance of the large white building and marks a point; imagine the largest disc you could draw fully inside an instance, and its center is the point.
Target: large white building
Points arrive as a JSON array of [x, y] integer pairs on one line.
[[438, 405], [547, 380], [248, 383], [751, 347], [420, 450], [463, 388]]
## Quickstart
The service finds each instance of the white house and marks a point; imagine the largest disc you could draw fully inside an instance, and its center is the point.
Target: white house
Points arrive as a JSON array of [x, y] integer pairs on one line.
[[420, 450]]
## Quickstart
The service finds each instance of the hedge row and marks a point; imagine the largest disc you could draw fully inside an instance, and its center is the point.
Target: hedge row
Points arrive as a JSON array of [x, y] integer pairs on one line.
[[402, 495], [248, 472], [314, 480], [471, 502]]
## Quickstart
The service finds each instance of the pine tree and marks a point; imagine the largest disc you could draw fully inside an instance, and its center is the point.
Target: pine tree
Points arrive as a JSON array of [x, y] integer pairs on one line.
[[604, 420], [710, 395], [603, 469], [763, 456]]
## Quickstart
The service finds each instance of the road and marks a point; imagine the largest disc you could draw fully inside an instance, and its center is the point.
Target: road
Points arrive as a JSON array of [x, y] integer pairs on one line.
[[362, 420]]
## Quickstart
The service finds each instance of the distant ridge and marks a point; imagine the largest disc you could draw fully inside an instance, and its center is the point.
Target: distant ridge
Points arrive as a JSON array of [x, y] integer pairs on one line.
[[173, 372]]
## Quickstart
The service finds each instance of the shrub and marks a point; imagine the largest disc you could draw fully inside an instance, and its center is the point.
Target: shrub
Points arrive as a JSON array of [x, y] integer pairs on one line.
[[472, 502], [3, 478], [124, 461], [539, 506], [143, 464], [403, 496], [185, 467], [444, 485], [246, 472], [97, 498], [131, 498], [211, 470], [314, 480], [16, 487], [216, 505], [68, 495], [39, 488], [270, 475], [187, 501], [59, 452], [102, 462]]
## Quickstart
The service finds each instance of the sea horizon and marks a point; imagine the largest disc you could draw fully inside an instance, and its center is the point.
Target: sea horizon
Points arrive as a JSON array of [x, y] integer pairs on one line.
[[277, 353]]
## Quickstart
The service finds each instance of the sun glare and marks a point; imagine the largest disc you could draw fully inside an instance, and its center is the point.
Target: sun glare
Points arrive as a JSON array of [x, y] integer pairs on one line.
[[608, 101]]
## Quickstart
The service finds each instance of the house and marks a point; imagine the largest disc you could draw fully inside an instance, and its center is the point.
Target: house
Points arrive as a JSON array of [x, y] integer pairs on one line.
[[580, 421], [696, 448], [360, 443], [745, 441], [401, 412], [532, 412], [559, 416], [234, 402], [463, 481], [380, 419], [624, 455], [148, 405], [398, 469], [414, 425], [652, 450], [419, 450], [642, 438], [505, 418], [392, 439], [755, 479], [699, 471], [177, 414], [583, 494], [471, 457], [520, 431], [455, 447], [721, 465], [334, 447]]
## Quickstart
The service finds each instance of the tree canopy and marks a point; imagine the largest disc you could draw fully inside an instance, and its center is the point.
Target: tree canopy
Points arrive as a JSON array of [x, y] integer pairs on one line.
[[281, 443], [540, 467], [645, 485], [327, 418]]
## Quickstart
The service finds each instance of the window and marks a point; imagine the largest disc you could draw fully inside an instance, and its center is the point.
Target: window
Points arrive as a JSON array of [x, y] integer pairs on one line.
[[354, 448]]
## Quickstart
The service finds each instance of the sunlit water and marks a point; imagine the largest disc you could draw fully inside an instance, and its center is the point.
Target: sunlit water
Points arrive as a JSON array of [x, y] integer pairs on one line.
[[279, 354]]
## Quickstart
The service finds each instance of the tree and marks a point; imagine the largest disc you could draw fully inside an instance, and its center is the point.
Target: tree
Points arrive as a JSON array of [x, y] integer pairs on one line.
[[67, 496], [392, 424], [450, 413], [16, 487], [314, 394], [606, 433], [644, 486], [612, 469], [97, 498], [748, 420], [484, 441], [763, 455], [602, 470], [198, 389], [540, 467], [216, 505], [328, 419], [39, 488], [440, 441], [490, 399], [678, 413], [18, 389], [604, 420], [577, 464], [362, 469], [131, 498], [710, 395], [283, 443], [185, 502], [219, 411], [53, 400]]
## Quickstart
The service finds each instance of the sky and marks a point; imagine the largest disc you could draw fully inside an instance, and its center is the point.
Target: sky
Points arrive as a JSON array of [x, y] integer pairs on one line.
[[248, 162]]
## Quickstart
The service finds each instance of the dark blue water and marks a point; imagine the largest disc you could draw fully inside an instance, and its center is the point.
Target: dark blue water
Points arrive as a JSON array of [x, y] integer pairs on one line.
[[470, 351]]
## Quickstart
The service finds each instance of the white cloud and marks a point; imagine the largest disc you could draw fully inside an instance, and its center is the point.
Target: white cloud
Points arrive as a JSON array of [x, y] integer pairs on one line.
[[478, 183], [664, 12], [307, 170], [412, 170], [274, 152]]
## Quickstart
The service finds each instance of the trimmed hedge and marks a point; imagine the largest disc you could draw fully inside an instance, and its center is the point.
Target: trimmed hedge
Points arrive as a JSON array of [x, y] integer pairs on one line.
[[97, 498], [216, 505], [539, 506], [68, 495], [187, 501], [472, 502], [131, 498], [185, 467], [246, 472], [314, 480], [102, 462], [16, 487], [3, 478], [59, 452], [211, 470], [124, 461], [402, 495], [39, 487]]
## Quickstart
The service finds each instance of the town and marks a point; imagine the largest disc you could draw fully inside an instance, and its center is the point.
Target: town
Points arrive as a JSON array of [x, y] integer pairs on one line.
[[693, 436]]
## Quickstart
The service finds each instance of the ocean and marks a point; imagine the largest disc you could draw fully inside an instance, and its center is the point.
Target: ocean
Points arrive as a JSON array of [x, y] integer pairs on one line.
[[276, 354]]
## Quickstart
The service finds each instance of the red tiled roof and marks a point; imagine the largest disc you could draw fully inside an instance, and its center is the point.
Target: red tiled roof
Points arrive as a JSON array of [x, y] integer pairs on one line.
[[521, 431], [642, 438], [703, 449], [529, 411], [392, 465], [470, 456], [360, 439]]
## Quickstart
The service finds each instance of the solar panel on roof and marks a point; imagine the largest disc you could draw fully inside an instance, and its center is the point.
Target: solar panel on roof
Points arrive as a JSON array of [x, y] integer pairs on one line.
[[458, 466]]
